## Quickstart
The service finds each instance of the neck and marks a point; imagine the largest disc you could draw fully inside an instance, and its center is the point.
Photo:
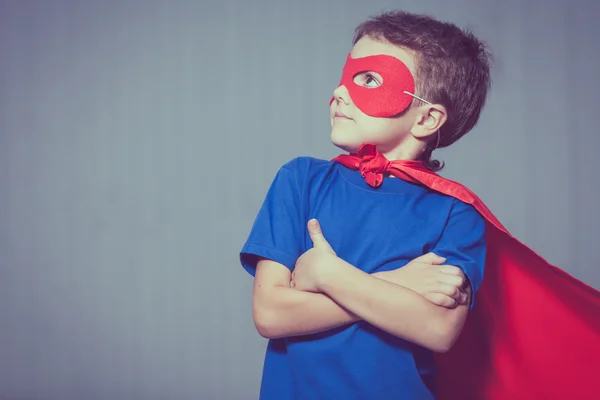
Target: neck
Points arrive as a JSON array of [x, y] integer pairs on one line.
[[408, 149]]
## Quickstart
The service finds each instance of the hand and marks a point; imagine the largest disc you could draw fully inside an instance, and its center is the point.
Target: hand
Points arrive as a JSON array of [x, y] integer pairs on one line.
[[313, 264], [443, 285]]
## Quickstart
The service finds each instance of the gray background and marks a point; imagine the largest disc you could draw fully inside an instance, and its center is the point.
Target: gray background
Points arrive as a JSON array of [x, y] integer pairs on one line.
[[138, 139]]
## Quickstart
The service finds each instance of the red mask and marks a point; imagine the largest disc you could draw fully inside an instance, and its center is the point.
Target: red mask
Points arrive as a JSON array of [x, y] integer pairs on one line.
[[389, 98]]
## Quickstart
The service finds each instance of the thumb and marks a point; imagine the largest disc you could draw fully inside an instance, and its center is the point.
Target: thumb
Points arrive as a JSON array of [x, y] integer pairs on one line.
[[430, 258], [316, 235]]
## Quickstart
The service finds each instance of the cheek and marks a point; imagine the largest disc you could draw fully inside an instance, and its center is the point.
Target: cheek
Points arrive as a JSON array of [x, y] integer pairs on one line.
[[376, 130], [370, 125]]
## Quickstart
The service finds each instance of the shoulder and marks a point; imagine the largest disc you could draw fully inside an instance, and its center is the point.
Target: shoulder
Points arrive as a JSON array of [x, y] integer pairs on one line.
[[461, 198], [299, 174], [466, 215], [306, 164], [459, 207], [305, 169]]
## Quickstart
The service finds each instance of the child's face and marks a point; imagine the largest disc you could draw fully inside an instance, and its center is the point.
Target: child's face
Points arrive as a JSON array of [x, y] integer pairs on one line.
[[351, 126]]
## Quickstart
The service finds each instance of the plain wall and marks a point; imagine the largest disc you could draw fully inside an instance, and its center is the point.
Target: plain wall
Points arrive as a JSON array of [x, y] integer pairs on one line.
[[138, 139]]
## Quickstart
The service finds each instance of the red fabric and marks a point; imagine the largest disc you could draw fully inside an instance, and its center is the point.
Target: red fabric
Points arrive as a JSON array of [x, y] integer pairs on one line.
[[534, 332], [388, 98]]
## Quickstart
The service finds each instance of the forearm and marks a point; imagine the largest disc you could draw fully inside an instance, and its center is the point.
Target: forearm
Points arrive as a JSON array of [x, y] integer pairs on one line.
[[393, 308], [284, 312]]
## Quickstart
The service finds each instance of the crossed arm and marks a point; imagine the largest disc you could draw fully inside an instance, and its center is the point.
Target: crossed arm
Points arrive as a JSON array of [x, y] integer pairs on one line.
[[328, 292], [281, 311]]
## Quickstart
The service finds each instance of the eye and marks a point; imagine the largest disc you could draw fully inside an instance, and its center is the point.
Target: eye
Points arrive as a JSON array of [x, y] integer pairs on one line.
[[368, 79]]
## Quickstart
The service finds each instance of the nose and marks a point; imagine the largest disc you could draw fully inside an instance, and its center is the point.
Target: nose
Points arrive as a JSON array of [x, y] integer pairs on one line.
[[341, 94]]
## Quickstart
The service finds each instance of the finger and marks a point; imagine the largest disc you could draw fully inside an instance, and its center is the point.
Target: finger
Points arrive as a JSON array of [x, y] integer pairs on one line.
[[456, 281], [451, 270], [316, 235], [448, 290], [441, 300], [430, 258]]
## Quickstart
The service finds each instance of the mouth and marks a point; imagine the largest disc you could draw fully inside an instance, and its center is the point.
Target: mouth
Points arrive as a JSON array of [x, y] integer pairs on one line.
[[341, 115]]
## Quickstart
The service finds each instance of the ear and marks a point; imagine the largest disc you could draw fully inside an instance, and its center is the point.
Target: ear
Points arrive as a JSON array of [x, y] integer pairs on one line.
[[429, 120]]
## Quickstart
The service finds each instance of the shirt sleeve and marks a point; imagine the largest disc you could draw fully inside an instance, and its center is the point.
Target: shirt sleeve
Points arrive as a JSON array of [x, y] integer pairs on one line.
[[463, 243], [278, 231]]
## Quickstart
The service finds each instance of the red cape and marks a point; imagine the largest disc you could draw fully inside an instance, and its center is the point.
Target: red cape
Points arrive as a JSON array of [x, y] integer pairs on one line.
[[534, 332]]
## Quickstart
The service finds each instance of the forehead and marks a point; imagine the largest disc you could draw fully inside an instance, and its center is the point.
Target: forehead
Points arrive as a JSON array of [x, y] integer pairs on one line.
[[368, 46]]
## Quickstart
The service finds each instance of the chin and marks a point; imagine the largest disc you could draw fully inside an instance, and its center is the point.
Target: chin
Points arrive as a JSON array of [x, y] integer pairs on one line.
[[344, 141]]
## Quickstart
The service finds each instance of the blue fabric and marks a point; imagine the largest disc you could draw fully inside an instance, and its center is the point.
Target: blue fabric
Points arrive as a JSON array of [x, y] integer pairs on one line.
[[374, 230]]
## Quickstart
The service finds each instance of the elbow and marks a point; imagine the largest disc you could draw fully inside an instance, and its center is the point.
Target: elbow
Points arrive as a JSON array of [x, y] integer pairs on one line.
[[264, 327], [265, 322], [432, 337], [446, 329], [444, 338], [439, 343], [264, 331], [261, 321], [268, 329], [443, 345]]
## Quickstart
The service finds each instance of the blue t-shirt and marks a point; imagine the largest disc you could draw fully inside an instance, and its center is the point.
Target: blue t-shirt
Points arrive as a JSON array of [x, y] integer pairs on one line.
[[374, 230]]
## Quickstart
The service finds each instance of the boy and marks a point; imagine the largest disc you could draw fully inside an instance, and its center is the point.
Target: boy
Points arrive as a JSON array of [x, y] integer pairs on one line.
[[344, 319]]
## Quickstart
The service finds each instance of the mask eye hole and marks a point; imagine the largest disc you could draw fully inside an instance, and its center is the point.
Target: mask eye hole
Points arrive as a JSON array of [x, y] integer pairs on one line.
[[368, 79]]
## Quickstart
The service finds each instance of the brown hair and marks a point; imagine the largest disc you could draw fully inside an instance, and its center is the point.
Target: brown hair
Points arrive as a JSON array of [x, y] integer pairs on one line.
[[453, 69]]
